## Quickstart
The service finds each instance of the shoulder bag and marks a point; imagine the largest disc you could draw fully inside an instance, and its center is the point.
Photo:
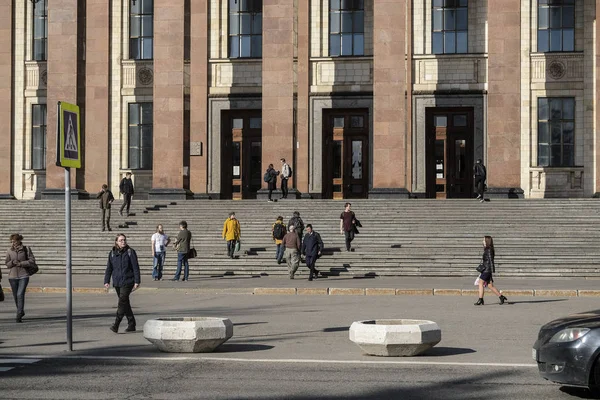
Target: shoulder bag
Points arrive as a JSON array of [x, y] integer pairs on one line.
[[480, 267], [192, 253], [32, 268]]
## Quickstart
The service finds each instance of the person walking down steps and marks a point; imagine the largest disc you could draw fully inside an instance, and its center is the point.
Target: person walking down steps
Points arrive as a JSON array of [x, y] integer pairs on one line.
[[291, 241], [126, 189], [278, 231], [106, 199]]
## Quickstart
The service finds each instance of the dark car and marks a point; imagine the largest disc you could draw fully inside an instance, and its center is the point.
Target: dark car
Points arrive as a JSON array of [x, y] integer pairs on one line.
[[567, 350]]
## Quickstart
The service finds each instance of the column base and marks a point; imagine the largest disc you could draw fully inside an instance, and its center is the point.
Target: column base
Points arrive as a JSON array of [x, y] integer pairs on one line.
[[205, 196], [504, 193], [389, 193], [6, 196], [263, 194], [59, 194], [169, 194]]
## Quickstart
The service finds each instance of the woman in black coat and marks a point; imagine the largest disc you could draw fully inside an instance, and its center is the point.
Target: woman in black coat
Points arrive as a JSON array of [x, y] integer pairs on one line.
[[122, 266], [486, 279], [272, 183]]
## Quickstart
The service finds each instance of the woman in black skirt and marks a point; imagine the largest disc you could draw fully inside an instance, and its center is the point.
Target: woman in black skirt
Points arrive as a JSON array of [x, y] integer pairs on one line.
[[485, 279]]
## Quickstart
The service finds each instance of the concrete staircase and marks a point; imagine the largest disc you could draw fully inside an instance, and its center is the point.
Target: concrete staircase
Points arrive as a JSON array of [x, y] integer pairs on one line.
[[545, 238]]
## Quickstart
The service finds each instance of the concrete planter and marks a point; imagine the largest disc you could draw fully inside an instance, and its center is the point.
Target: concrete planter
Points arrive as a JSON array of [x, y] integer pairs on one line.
[[395, 337], [188, 334]]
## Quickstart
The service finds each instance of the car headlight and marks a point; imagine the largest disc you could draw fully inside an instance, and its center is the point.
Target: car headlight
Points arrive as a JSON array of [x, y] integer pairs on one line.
[[569, 335]]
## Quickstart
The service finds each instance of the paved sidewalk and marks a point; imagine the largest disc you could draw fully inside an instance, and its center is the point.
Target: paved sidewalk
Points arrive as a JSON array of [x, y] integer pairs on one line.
[[547, 287]]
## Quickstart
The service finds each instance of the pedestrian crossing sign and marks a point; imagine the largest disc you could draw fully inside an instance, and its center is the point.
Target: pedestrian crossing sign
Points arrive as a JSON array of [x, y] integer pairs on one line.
[[69, 136]]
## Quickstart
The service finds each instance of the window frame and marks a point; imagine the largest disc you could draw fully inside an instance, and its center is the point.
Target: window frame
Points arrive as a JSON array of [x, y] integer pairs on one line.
[[144, 157], [37, 37], [139, 40], [39, 127], [251, 41], [546, 33], [337, 10], [545, 128], [444, 8]]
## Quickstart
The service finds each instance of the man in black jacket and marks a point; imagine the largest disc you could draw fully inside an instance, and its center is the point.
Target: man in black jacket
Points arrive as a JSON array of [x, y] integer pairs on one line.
[[480, 175], [126, 189], [124, 269], [312, 247], [106, 198]]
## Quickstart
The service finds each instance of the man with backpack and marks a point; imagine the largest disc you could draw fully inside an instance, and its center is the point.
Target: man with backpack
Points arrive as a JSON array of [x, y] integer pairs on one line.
[[279, 231], [271, 179], [480, 175], [297, 223], [286, 173]]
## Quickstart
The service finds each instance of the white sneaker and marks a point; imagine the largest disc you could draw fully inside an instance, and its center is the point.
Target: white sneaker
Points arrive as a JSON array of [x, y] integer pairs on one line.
[[478, 196], [481, 201]]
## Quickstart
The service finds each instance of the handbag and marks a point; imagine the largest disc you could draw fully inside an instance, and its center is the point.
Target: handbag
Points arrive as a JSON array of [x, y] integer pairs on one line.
[[238, 244], [1, 294], [32, 268], [192, 253], [480, 267]]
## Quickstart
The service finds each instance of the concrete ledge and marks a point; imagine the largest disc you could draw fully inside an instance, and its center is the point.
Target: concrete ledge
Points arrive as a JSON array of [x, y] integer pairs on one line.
[[380, 292], [88, 290], [447, 292], [588, 293], [469, 292], [555, 293], [518, 292], [311, 291], [346, 291], [268, 291], [414, 292]]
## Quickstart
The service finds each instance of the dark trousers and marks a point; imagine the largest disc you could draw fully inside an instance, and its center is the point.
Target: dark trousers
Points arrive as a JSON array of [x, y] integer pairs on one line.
[[310, 263], [349, 236], [231, 247], [106, 218], [126, 202], [479, 185], [270, 193], [18, 287], [124, 306], [182, 260], [284, 188]]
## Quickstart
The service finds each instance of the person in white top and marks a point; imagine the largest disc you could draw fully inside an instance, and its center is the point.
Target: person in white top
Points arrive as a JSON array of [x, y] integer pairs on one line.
[[286, 173], [160, 241]]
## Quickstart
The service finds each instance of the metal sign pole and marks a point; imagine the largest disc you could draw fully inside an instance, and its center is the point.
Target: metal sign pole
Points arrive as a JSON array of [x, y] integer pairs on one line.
[[69, 272]]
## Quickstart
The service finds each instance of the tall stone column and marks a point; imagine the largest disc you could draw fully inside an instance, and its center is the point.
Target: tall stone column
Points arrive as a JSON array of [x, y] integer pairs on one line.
[[97, 121], [504, 100], [199, 98], [277, 83], [168, 123], [6, 111], [301, 164], [389, 103], [63, 73], [596, 141]]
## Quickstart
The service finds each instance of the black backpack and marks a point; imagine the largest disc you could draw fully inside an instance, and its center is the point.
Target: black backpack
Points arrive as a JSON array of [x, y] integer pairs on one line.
[[279, 231], [267, 177], [291, 172]]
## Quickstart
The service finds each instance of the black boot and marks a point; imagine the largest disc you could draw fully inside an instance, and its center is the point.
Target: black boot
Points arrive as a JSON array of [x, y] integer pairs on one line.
[[115, 327], [502, 299], [20, 317], [130, 324], [479, 302]]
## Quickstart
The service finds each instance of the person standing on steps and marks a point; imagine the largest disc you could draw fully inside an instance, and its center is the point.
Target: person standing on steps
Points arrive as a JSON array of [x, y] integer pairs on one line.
[[297, 223], [160, 241], [291, 242], [278, 231], [122, 266], [126, 189], [271, 179], [231, 233], [18, 259], [182, 245], [348, 225], [479, 175], [106, 198], [486, 279], [286, 174], [312, 248]]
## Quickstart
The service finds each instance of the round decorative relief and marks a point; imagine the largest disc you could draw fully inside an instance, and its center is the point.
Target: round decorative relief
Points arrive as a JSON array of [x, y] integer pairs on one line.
[[145, 76], [556, 69], [44, 77]]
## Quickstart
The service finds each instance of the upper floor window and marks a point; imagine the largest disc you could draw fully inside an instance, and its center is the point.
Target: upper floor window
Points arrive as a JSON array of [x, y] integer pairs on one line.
[[450, 24], [556, 25], [346, 28], [40, 30], [141, 29], [245, 28], [38, 136], [140, 135], [556, 131]]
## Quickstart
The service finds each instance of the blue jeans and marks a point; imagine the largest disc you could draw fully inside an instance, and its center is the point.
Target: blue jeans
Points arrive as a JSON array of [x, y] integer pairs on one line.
[[279, 252], [18, 287], [159, 263], [182, 260]]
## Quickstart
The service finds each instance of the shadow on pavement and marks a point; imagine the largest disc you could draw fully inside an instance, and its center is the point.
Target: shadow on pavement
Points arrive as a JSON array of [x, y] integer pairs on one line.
[[535, 301], [447, 351], [581, 393], [47, 344], [337, 329], [241, 348]]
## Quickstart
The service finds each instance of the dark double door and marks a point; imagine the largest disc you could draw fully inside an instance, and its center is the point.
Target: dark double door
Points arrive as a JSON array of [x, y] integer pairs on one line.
[[241, 154], [449, 152], [345, 154]]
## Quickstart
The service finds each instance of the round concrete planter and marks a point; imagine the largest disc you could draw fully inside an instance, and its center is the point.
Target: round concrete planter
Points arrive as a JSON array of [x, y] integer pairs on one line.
[[395, 337], [188, 334]]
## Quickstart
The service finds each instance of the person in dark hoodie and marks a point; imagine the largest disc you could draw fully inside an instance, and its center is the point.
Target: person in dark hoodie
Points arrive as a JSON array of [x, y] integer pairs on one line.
[[123, 267], [312, 248]]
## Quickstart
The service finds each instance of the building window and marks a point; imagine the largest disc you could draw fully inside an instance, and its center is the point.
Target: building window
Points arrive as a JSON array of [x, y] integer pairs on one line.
[[346, 28], [140, 135], [556, 131], [40, 30], [245, 28], [556, 25], [38, 136], [450, 24], [141, 29]]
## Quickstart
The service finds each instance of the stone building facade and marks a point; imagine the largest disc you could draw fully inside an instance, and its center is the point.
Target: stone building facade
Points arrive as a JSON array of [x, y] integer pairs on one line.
[[364, 98]]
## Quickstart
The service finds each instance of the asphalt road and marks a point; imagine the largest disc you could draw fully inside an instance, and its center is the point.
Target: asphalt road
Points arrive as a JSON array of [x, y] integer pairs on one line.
[[293, 347]]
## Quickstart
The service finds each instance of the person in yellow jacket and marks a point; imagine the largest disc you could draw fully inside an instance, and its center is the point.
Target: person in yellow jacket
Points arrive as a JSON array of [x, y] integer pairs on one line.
[[231, 233]]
